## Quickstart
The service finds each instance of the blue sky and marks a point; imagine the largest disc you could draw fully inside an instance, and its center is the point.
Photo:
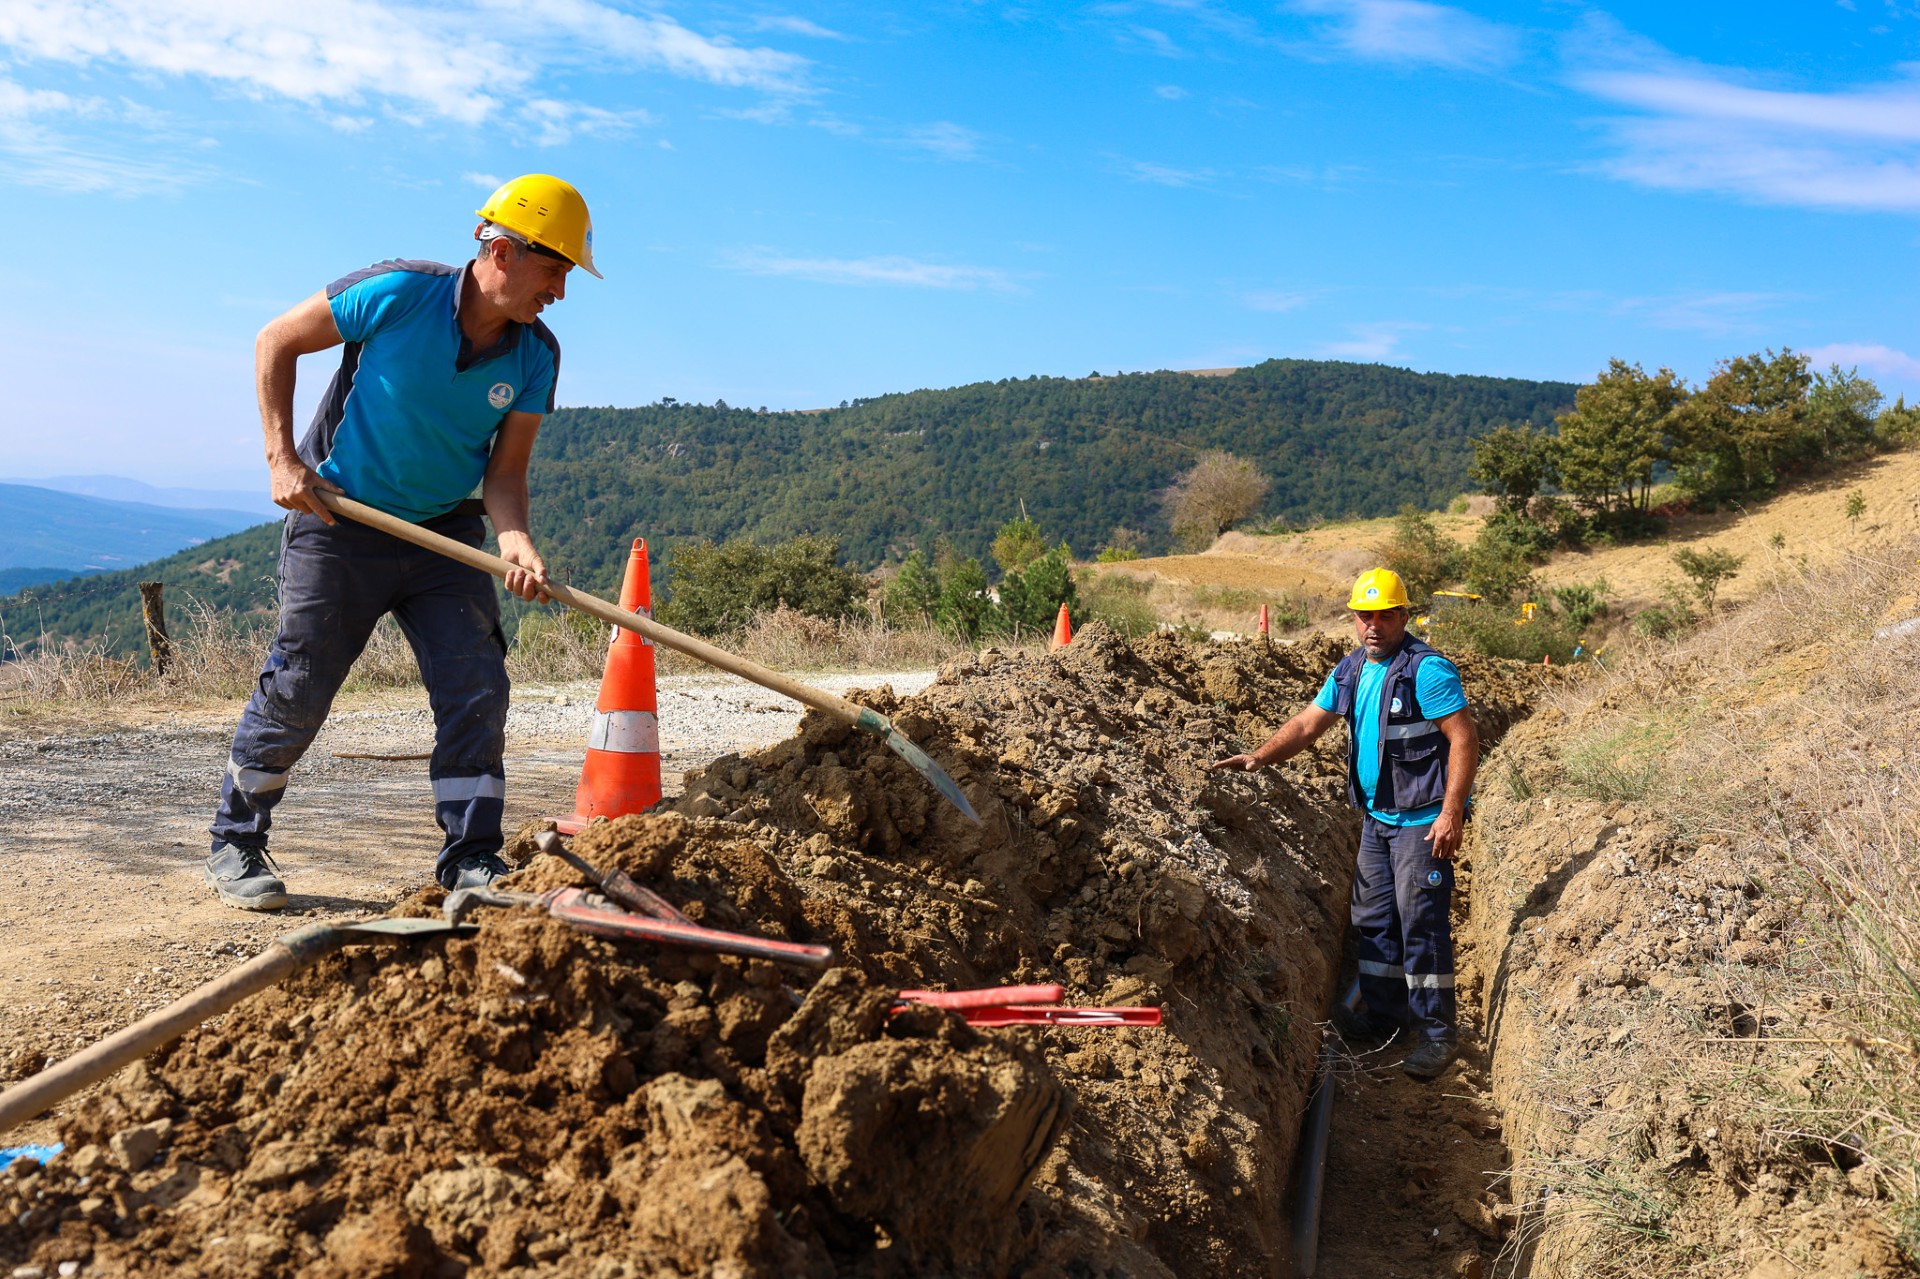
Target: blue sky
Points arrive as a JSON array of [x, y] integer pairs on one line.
[[796, 204]]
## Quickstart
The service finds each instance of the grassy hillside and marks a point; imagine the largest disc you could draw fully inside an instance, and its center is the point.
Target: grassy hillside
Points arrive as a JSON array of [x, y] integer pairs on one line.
[[888, 474]]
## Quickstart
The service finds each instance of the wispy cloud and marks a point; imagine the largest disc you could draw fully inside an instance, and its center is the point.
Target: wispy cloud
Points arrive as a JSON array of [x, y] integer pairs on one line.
[[1370, 341], [1274, 300], [408, 60], [1874, 358], [1722, 314], [1165, 175], [1171, 92], [945, 139], [896, 271], [43, 154], [797, 26], [485, 181], [1415, 32], [1700, 128]]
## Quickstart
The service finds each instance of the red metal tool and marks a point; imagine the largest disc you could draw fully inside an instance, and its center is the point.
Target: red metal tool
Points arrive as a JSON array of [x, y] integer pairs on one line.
[[575, 907], [1025, 1006]]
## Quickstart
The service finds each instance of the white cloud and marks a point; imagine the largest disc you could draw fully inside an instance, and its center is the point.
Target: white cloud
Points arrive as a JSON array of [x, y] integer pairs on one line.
[[485, 181], [798, 27], [43, 156], [1171, 92], [887, 270], [433, 58], [1720, 314], [1707, 129], [1415, 32], [1369, 341], [1883, 360], [1165, 175], [945, 139], [1275, 300]]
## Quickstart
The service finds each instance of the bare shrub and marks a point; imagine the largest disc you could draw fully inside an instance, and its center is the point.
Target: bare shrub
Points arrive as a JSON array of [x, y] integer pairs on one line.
[[1217, 493]]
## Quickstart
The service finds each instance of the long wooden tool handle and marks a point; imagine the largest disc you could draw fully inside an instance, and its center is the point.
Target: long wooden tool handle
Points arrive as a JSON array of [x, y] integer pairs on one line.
[[56, 1083], [593, 606]]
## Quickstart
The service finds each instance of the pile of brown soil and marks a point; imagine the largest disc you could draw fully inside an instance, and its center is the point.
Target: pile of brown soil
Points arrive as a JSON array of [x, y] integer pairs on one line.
[[534, 1100]]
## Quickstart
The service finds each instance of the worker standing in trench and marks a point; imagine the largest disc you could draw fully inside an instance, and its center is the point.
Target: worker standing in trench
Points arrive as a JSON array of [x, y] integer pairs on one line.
[[1412, 750], [447, 373]]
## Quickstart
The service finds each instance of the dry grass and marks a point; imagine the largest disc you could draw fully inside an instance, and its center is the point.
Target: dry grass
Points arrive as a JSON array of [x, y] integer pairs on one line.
[[1785, 735], [217, 655]]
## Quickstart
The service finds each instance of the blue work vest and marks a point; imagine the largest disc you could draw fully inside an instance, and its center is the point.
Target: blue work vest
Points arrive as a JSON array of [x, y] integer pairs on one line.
[[1413, 750]]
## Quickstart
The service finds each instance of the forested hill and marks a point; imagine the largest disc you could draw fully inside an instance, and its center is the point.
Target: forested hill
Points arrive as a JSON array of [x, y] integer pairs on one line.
[[887, 474]]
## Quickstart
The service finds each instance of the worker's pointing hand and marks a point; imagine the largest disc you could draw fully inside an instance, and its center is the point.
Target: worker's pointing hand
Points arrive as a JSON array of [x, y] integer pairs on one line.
[[1240, 763], [295, 485]]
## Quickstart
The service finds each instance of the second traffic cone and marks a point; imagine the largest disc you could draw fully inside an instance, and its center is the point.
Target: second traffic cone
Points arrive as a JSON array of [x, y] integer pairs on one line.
[[622, 772], [1263, 619], [1062, 631]]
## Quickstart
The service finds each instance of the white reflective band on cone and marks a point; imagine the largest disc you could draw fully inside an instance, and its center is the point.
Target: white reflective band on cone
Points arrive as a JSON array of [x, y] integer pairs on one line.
[[628, 732], [255, 781], [1374, 968], [1430, 981], [643, 612], [460, 789]]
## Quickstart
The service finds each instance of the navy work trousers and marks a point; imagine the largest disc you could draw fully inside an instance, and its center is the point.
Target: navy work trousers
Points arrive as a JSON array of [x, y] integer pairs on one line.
[[336, 581], [1401, 897]]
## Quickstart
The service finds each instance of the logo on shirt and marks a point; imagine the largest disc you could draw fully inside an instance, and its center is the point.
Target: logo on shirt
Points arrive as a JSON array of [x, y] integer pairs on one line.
[[500, 395]]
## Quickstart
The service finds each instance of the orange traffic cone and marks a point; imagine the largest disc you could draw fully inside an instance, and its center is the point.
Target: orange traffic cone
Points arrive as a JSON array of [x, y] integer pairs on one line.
[[622, 772], [1062, 631], [1546, 660], [1263, 619]]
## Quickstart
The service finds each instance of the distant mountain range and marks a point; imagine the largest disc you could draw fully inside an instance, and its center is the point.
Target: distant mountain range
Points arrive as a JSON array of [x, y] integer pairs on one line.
[[118, 488], [64, 533], [886, 475]]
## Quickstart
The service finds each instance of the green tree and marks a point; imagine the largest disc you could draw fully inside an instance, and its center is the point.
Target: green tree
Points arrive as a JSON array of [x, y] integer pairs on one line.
[[1514, 464], [1856, 507], [1499, 565], [965, 609], [719, 588], [1030, 600], [1841, 408], [1617, 435], [1018, 544], [1706, 570], [1737, 431], [913, 596], [1425, 559], [1212, 496]]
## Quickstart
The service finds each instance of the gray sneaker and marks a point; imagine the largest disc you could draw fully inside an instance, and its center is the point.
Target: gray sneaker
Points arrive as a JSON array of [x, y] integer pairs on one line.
[[476, 871], [1429, 1058], [246, 877]]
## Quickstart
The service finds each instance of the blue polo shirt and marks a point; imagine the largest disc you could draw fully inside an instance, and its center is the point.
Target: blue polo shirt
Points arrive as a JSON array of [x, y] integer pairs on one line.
[[409, 419], [1436, 684]]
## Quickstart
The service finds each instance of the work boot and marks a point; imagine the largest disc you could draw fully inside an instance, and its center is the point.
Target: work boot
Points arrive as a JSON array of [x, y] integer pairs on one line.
[[476, 870], [246, 876], [1359, 1030], [1429, 1058]]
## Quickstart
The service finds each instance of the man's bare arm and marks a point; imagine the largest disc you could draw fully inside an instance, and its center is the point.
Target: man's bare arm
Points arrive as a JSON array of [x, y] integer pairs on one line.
[[1298, 733], [305, 329], [1463, 760], [505, 494]]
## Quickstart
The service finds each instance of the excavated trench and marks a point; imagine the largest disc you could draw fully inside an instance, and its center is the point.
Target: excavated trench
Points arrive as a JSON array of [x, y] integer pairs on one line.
[[533, 1100]]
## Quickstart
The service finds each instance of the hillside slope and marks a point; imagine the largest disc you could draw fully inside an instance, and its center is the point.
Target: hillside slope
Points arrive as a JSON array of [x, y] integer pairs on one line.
[[889, 474], [41, 527]]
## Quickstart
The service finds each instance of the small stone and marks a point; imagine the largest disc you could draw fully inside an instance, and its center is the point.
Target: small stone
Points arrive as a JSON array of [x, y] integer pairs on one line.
[[134, 1148], [29, 1272], [68, 1269], [89, 1160]]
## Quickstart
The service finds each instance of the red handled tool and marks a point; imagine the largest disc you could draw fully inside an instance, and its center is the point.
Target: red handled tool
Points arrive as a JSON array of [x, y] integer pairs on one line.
[[1025, 1006]]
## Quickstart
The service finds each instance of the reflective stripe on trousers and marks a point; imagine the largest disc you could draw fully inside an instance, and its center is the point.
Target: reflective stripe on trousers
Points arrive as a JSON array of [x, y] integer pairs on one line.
[[1405, 940]]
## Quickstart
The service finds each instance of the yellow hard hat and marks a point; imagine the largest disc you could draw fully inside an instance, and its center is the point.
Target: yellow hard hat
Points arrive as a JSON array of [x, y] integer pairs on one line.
[[547, 211], [1378, 588]]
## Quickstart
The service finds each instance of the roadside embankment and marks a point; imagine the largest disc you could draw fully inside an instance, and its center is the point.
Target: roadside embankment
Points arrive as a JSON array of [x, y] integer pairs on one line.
[[1695, 932]]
